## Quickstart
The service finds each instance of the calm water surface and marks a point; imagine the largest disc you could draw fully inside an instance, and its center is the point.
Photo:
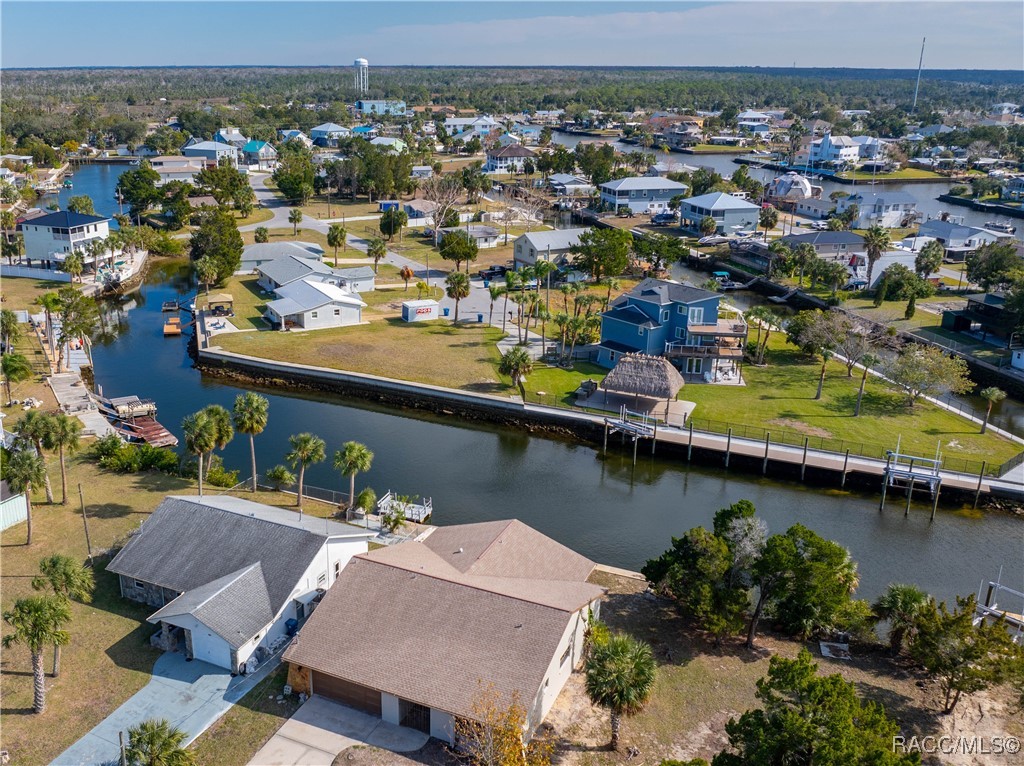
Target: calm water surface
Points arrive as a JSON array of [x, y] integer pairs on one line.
[[600, 507]]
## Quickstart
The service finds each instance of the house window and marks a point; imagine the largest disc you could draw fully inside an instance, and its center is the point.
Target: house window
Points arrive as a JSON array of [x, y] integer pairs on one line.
[[140, 584], [565, 655], [313, 314], [681, 309], [696, 315], [321, 580], [337, 312], [337, 569], [664, 315], [694, 366]]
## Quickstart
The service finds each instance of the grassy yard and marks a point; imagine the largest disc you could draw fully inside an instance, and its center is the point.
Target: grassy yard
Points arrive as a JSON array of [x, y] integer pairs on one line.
[[718, 149], [303, 235], [428, 352], [899, 175], [21, 292], [779, 398], [247, 726], [109, 658], [554, 386], [258, 215], [250, 301]]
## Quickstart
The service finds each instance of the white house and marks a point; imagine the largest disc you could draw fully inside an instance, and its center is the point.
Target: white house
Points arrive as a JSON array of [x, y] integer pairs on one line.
[[50, 238], [871, 148], [421, 171], [226, 574], [329, 133], [289, 267], [361, 279], [389, 143], [176, 168], [641, 194], [313, 305], [834, 150], [553, 246], [508, 159], [958, 240], [753, 118], [483, 125], [295, 135], [232, 136], [412, 633], [259, 153], [568, 185], [730, 213], [484, 236], [260, 253], [214, 152], [13, 507], [890, 210], [420, 211]]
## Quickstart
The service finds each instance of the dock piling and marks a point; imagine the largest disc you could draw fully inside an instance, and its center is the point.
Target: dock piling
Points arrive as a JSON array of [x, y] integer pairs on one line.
[[977, 492], [846, 463], [803, 462], [767, 441], [935, 502], [654, 439], [885, 481], [604, 449], [728, 447], [636, 441], [689, 443], [910, 492]]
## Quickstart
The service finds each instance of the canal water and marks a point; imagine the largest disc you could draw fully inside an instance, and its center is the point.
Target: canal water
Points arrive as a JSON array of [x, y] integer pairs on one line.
[[601, 507], [98, 182], [926, 194]]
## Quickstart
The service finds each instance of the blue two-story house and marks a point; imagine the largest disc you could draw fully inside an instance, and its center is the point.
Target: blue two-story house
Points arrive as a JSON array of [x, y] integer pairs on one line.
[[675, 320], [641, 194]]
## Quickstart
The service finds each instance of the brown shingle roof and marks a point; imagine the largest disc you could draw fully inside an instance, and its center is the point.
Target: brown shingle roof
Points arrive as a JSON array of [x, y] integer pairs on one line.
[[428, 624]]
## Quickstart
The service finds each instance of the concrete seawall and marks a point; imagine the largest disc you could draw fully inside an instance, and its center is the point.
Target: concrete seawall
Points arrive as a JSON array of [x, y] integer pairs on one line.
[[746, 455]]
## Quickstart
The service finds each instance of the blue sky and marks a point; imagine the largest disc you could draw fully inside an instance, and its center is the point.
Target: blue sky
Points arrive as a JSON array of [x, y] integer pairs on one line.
[[983, 35]]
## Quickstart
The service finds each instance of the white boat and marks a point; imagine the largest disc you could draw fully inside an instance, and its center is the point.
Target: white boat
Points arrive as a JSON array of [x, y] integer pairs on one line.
[[1004, 227]]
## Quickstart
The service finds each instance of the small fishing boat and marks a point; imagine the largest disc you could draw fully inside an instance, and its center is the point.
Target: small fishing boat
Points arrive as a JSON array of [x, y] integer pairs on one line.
[[134, 419], [1004, 227], [68, 184], [170, 306]]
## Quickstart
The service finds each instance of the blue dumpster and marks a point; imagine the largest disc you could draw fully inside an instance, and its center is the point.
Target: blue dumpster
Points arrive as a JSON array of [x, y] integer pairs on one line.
[[291, 626], [487, 283], [479, 317], [446, 311]]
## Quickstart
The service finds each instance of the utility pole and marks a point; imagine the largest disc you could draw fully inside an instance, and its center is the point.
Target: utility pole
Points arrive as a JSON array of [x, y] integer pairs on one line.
[[920, 64]]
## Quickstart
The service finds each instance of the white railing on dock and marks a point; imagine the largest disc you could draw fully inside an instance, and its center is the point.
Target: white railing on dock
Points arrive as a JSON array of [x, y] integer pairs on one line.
[[417, 512]]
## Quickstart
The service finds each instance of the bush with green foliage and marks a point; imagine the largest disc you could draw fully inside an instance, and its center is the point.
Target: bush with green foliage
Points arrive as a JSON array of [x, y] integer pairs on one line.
[[280, 477], [115, 455]]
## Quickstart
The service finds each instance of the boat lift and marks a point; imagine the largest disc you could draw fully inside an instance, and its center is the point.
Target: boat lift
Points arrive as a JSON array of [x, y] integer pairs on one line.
[[632, 425], [912, 472], [990, 608]]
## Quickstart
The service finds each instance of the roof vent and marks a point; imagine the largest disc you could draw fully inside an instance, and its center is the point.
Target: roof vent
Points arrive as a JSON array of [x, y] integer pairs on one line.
[[459, 550], [519, 626]]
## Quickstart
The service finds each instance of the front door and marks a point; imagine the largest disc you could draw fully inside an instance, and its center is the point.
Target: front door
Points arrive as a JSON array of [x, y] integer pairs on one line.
[[414, 715]]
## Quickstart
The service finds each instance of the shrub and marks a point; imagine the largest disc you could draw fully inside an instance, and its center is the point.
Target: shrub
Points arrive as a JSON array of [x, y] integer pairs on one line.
[[366, 500], [959, 191], [279, 476], [217, 476], [106, 446], [115, 455]]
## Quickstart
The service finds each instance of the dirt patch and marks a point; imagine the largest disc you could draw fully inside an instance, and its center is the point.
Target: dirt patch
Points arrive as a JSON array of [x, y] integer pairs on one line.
[[800, 427]]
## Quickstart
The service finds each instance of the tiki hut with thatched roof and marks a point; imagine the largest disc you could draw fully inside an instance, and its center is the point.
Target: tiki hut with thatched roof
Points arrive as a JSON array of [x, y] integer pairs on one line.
[[652, 377]]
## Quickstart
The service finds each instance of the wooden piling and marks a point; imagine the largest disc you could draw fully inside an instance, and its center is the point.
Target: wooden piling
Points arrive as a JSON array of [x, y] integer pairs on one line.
[[604, 449], [728, 447], [977, 492], [935, 501], [636, 441], [846, 463], [910, 492], [689, 443], [654, 439], [803, 462], [885, 481], [767, 441]]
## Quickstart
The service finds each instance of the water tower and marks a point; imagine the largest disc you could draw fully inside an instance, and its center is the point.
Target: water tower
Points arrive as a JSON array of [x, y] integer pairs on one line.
[[362, 75]]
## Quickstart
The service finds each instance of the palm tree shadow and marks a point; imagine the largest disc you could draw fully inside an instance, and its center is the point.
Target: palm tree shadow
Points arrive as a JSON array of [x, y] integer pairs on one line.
[[110, 510]]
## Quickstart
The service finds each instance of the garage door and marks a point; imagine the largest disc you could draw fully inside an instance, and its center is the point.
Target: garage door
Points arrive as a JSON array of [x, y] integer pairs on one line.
[[347, 693]]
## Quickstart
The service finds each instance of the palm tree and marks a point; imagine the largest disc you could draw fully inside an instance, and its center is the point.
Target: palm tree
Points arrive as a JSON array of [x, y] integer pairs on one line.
[[250, 417], [206, 272], [351, 459], [767, 319], [456, 288], [69, 580], [10, 330], [803, 256], [902, 606], [200, 437], [517, 364], [613, 284], [512, 281], [876, 242], [223, 432], [35, 426], [376, 249], [295, 218], [826, 354], [336, 237], [157, 743], [25, 471], [620, 677], [406, 274], [63, 435], [16, 368], [307, 449], [494, 290], [50, 303], [74, 264], [993, 396], [38, 621], [867, 361]]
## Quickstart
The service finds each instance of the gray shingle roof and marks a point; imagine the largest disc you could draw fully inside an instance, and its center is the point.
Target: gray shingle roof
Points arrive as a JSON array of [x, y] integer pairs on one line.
[[662, 291], [235, 606], [190, 543], [639, 183], [264, 251], [631, 315], [719, 201], [556, 239], [431, 624], [825, 238], [289, 268]]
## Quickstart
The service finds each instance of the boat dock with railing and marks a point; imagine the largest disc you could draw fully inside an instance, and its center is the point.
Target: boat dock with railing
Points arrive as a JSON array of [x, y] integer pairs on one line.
[[134, 420], [418, 512]]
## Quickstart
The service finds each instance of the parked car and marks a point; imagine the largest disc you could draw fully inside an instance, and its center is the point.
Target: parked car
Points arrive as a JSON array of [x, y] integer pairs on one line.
[[492, 272], [663, 219], [819, 225]]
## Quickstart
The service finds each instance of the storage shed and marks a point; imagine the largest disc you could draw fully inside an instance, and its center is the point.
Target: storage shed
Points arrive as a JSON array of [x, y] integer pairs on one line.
[[420, 311]]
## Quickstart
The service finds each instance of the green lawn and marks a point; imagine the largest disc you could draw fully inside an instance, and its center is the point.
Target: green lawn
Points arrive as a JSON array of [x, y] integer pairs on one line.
[[428, 352], [719, 149], [554, 386], [250, 301], [899, 175], [22, 292], [779, 398]]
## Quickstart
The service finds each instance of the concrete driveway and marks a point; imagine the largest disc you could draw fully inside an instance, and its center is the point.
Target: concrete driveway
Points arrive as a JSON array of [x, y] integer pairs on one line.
[[191, 695], [321, 729]]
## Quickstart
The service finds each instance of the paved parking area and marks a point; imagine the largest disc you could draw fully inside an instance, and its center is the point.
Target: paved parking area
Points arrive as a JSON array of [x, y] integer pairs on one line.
[[321, 729]]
